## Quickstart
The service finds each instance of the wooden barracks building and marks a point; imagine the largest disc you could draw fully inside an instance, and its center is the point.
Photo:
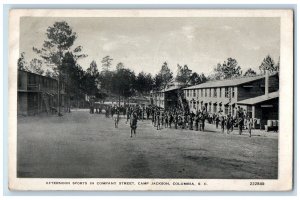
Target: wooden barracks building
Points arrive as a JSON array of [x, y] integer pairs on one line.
[[167, 98], [38, 94], [257, 95]]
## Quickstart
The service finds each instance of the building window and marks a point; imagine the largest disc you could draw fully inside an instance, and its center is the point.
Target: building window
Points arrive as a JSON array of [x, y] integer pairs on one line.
[[194, 93], [205, 92], [249, 111], [215, 92], [226, 109], [220, 92], [209, 92], [194, 104], [209, 108], [233, 92], [215, 108], [201, 92], [226, 92]]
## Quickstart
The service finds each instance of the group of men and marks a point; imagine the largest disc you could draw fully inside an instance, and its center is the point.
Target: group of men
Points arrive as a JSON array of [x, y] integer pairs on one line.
[[181, 120], [132, 113], [196, 121]]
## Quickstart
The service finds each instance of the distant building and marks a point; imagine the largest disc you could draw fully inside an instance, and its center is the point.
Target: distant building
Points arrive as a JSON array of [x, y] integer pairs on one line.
[[38, 94], [168, 98], [224, 96]]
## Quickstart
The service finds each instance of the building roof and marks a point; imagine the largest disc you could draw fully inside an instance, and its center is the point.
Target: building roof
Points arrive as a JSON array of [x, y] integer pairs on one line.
[[174, 87], [259, 99], [170, 88], [21, 70], [228, 82]]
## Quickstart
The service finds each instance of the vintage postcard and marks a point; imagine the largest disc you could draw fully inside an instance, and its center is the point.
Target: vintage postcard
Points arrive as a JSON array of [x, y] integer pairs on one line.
[[151, 100]]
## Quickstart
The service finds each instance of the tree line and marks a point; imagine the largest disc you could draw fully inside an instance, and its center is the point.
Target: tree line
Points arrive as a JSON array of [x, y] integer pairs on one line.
[[61, 58]]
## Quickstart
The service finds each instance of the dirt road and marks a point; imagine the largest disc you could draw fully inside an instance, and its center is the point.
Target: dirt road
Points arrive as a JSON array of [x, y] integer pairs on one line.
[[80, 145]]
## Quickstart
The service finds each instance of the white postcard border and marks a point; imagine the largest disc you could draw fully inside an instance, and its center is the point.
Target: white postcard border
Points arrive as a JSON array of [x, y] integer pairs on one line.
[[285, 140]]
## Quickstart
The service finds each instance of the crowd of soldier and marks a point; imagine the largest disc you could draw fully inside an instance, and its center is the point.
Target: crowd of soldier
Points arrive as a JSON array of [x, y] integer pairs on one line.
[[181, 120], [196, 121]]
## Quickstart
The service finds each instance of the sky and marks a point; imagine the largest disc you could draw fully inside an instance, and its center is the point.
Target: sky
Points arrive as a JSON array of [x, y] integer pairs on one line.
[[143, 44]]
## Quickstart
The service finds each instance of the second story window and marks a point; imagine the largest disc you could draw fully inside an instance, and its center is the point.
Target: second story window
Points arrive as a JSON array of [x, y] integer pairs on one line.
[[194, 93], [215, 92], [201, 92], [220, 92], [226, 92], [209, 92], [205, 92], [233, 92]]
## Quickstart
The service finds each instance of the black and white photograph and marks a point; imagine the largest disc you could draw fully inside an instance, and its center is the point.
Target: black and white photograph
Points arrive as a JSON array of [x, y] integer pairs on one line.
[[167, 101]]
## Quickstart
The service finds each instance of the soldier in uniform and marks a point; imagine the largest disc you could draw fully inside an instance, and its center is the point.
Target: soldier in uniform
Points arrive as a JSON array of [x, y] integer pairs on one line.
[[176, 120], [180, 121], [184, 120], [217, 121], [155, 118], [171, 118], [191, 120], [158, 120], [200, 121], [232, 121], [133, 124], [222, 124], [116, 117], [240, 124], [197, 121], [127, 114], [162, 118], [92, 104], [203, 121], [166, 120], [228, 123], [250, 124]]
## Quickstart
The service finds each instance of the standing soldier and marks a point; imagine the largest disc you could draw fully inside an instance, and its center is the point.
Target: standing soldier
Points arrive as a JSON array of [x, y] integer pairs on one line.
[[127, 114], [176, 120], [228, 123], [153, 116], [200, 121], [203, 121], [92, 102], [171, 118], [250, 124], [148, 113], [240, 124], [158, 120], [184, 120], [180, 121], [116, 117], [232, 123], [162, 118], [191, 119], [133, 124], [197, 121], [143, 113], [166, 120], [217, 121], [222, 124]]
